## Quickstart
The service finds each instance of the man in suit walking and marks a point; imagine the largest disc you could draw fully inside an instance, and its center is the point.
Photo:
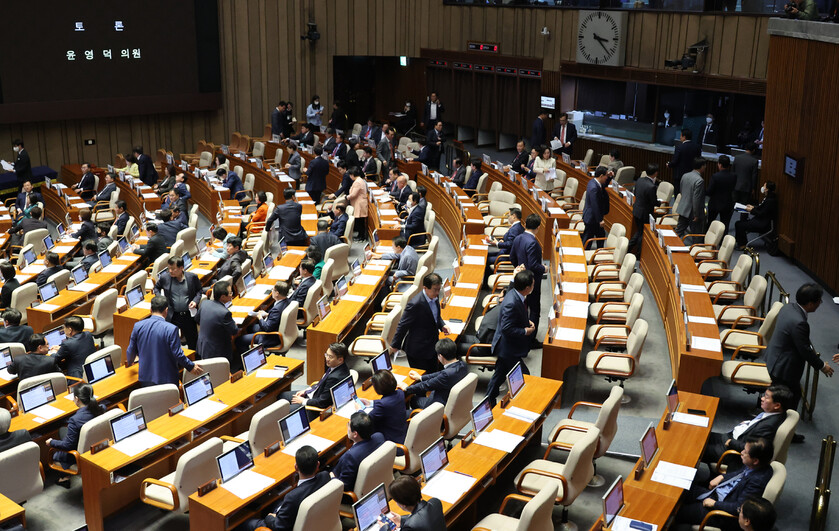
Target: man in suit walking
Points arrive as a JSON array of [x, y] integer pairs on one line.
[[277, 119], [289, 214], [419, 327], [182, 290], [434, 140], [790, 348], [597, 206], [684, 154], [527, 251], [566, 133], [721, 193], [23, 166], [539, 132], [439, 383], [646, 199], [217, 326], [385, 149], [505, 244], [514, 333], [309, 480], [77, 346], [318, 395], [745, 168], [146, 167], [316, 175], [691, 208]]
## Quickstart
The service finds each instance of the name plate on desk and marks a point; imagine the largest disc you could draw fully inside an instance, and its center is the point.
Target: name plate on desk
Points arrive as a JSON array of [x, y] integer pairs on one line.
[[98, 447], [272, 448], [207, 487], [236, 376]]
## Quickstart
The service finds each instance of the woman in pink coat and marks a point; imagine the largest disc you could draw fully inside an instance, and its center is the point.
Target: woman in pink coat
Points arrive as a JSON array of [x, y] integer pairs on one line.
[[358, 199]]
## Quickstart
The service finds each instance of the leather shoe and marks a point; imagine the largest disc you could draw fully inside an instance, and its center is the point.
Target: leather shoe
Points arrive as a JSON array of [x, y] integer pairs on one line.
[[798, 438]]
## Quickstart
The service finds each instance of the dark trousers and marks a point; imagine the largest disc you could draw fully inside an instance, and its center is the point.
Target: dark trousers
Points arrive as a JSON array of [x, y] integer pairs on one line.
[[426, 364], [637, 240], [534, 306], [315, 195], [715, 448], [724, 214], [361, 228], [743, 227], [688, 226], [503, 365], [189, 330], [594, 230]]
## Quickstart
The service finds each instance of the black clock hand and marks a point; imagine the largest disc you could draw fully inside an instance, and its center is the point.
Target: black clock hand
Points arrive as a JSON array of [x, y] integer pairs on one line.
[[598, 38]]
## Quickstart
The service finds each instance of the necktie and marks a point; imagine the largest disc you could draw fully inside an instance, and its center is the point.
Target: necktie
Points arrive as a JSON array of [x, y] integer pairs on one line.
[[335, 151], [27, 201], [723, 489], [322, 378], [562, 135], [743, 426], [368, 133]]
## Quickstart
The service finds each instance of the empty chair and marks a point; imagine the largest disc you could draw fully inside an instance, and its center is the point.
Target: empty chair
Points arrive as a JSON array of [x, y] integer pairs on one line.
[[160, 263], [604, 290], [23, 297], [457, 412], [570, 478], [605, 253], [747, 342], [156, 399], [369, 345], [35, 238], [671, 219], [195, 467], [61, 279], [341, 254], [602, 269], [375, 469], [711, 241], [328, 276], [423, 430], [717, 267], [264, 428], [736, 280], [618, 365], [587, 159], [177, 249], [536, 515], [625, 175], [258, 149], [401, 298], [663, 194], [752, 300], [568, 196], [190, 243], [603, 312], [137, 279], [93, 431], [617, 330], [114, 352], [101, 318], [21, 476], [217, 368]]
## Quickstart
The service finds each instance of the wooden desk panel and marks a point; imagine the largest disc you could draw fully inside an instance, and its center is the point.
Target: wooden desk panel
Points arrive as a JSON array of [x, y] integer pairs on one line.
[[9, 510]]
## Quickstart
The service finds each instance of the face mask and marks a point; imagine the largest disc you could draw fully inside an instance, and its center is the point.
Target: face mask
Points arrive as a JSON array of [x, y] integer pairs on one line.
[[317, 103], [763, 190], [409, 204], [709, 120], [16, 149], [667, 115]]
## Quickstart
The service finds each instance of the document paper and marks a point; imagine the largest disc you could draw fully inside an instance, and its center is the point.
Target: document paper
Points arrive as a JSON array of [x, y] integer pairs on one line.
[[247, 483], [448, 486], [500, 440], [673, 474]]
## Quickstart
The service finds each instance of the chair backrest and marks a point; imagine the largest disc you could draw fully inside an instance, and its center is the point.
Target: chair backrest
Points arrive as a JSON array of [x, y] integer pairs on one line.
[[482, 183], [616, 231], [459, 405], [755, 292], [61, 279], [340, 253], [129, 225], [426, 260], [627, 267], [607, 420], [22, 297], [625, 175], [104, 307], [15, 349], [423, 429], [311, 302], [741, 269], [501, 196], [258, 149], [422, 272], [579, 467], [665, 191], [432, 246], [635, 341], [571, 185], [430, 219], [349, 229], [767, 327], [160, 263], [196, 467], [156, 399], [217, 368], [247, 265], [604, 160], [783, 436], [205, 159], [775, 487], [327, 276], [320, 509], [35, 238], [59, 383], [264, 429], [239, 171], [536, 514], [391, 323], [409, 294], [589, 155], [190, 242], [247, 184], [636, 303], [288, 325], [716, 230], [727, 248], [137, 279], [375, 469], [621, 248], [20, 472], [258, 257], [636, 281], [177, 248], [114, 351], [96, 429]]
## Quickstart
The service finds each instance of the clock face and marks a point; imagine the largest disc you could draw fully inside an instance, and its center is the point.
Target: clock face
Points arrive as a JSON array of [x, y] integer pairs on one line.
[[599, 38]]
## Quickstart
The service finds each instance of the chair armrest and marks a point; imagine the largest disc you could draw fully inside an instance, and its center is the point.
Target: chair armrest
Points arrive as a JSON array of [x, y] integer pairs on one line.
[[228, 438], [600, 327], [279, 335], [468, 361], [426, 234], [610, 307], [609, 341], [695, 236], [53, 465], [715, 513], [169, 486], [407, 455], [582, 404], [554, 445], [616, 286], [733, 307], [315, 409], [585, 245], [726, 454], [544, 473], [513, 496], [614, 373], [748, 320], [92, 320], [735, 285], [729, 294], [746, 382], [751, 349], [304, 318]]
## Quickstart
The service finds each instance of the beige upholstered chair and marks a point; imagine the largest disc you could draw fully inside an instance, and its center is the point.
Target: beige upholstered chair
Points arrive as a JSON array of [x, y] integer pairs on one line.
[[401, 298], [605, 253], [753, 376], [458, 409], [423, 430], [724, 289], [729, 314], [195, 467], [340, 253], [587, 158], [605, 281], [320, 509], [625, 175], [751, 343], [618, 365], [310, 305], [536, 515], [23, 297], [101, 318], [114, 351], [717, 267], [15, 349], [605, 266], [160, 263], [616, 329], [59, 384], [21, 474], [328, 277], [137, 279], [287, 331], [156, 400], [264, 428], [61, 279], [375, 469], [190, 243], [603, 312], [35, 238], [217, 368], [663, 194], [568, 197], [371, 345], [93, 431], [711, 241]]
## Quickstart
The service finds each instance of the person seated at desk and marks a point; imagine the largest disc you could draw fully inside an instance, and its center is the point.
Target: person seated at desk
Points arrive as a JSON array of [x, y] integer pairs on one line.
[[756, 514], [506, 242], [26, 201], [233, 183], [35, 362], [727, 492], [173, 197], [217, 327], [25, 225], [89, 409], [168, 182], [519, 164], [121, 217], [307, 279], [422, 515], [88, 229], [339, 223], [763, 217], [180, 180], [314, 254], [388, 413], [615, 162], [12, 331], [415, 222], [365, 441], [407, 257], [103, 241], [289, 214], [86, 185], [339, 148], [774, 404], [220, 234], [131, 167], [438, 383], [402, 191], [105, 194], [309, 480], [391, 179], [53, 266], [155, 246], [179, 214], [220, 162], [474, 177], [368, 164], [182, 290], [10, 283], [318, 395], [89, 255], [232, 265], [77, 346], [425, 153], [267, 321], [324, 239], [346, 179], [458, 175], [305, 137], [10, 439], [259, 215], [420, 325]]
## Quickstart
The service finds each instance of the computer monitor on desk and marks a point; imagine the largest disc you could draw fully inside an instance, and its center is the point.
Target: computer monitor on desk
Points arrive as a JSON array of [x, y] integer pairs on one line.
[[515, 379], [433, 459], [129, 423], [382, 362], [235, 461], [342, 393], [105, 258], [672, 398], [29, 257], [294, 425], [48, 243], [198, 389], [134, 296], [36, 396], [649, 446], [370, 510], [79, 274], [55, 337], [481, 416], [6, 358], [187, 261], [612, 502], [99, 369], [48, 291], [253, 359]]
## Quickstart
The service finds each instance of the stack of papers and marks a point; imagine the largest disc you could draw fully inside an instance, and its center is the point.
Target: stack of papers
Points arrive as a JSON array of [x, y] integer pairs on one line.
[[369, 280], [448, 486], [318, 443], [555, 211], [138, 443], [573, 251], [678, 248], [296, 251], [693, 420], [113, 268], [467, 285], [521, 414], [573, 267], [673, 474], [46, 412], [203, 410], [573, 335], [270, 373], [667, 232], [705, 343], [500, 440], [84, 286], [62, 249], [455, 328], [4, 374], [279, 272], [695, 288], [247, 483], [47, 307], [462, 301]]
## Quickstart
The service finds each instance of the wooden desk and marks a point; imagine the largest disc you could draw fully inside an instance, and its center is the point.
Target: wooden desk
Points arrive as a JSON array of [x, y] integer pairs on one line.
[[111, 479], [639, 504], [9, 510]]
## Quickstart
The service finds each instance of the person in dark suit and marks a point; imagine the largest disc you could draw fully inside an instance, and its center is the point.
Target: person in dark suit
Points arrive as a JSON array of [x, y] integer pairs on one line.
[[155, 246], [346, 181], [773, 404], [425, 155], [53, 266], [709, 132], [267, 321], [287, 120], [338, 119], [9, 440], [510, 344], [169, 229], [12, 331], [596, 206], [437, 385], [295, 162], [434, 140], [474, 177], [646, 200], [505, 244], [235, 258], [339, 223], [318, 395], [433, 112], [370, 131], [86, 185], [368, 164], [329, 141], [422, 515], [89, 256], [324, 239], [757, 514], [103, 241], [388, 413], [77, 346], [121, 219], [23, 166], [276, 119], [539, 132], [527, 251], [721, 193], [306, 270], [88, 229], [10, 283], [728, 492], [288, 215], [105, 193], [89, 409], [419, 327], [519, 164], [309, 480], [182, 290], [385, 149], [458, 175], [415, 222], [684, 154], [233, 183], [305, 137], [217, 326], [36, 362], [146, 167], [365, 441], [339, 150], [764, 215], [26, 200], [790, 348], [169, 179], [745, 168], [25, 225], [566, 133], [402, 191]]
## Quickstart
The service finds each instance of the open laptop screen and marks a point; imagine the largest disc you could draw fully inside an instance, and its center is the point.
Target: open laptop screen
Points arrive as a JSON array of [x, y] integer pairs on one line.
[[293, 425], [433, 459], [99, 369], [382, 362], [37, 396], [481, 415], [56, 336], [79, 274], [253, 359], [515, 379], [370, 508], [649, 444], [342, 392], [105, 258], [235, 461], [127, 424], [134, 296], [613, 501], [48, 291], [198, 389]]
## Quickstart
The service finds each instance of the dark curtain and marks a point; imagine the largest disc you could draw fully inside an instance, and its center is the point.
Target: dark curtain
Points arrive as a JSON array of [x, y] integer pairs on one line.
[[531, 92], [464, 100], [510, 105], [439, 80], [487, 105]]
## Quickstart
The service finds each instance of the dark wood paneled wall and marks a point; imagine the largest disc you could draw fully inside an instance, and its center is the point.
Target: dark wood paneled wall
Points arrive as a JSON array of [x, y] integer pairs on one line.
[[264, 60], [801, 117]]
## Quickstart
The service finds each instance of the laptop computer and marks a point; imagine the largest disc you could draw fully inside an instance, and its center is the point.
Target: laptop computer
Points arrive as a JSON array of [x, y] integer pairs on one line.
[[515, 379], [127, 424], [370, 511], [382, 362], [235, 461], [323, 307], [79, 274], [187, 261], [481, 416], [61, 231], [343, 396], [267, 262], [99, 369], [293, 426], [36, 396], [249, 282], [283, 247], [433, 459], [48, 291], [123, 244], [55, 336], [6, 359], [134, 296], [356, 267], [649, 445], [672, 397], [198, 389], [29, 257], [105, 258], [48, 243], [253, 359], [341, 287]]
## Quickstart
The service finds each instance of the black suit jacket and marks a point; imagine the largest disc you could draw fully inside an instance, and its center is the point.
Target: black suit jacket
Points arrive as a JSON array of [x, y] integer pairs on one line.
[[415, 224], [750, 486], [286, 512], [23, 166], [645, 199], [745, 168], [320, 395], [324, 240], [120, 222], [86, 232], [233, 266], [418, 332], [459, 176], [27, 224], [682, 162], [426, 515], [33, 365], [276, 122], [789, 348], [721, 191], [73, 352], [169, 230], [16, 334], [217, 328], [401, 195], [510, 340], [440, 383], [375, 133], [709, 134], [426, 115], [304, 139], [146, 168], [339, 225], [537, 138], [193, 289], [767, 210], [519, 164], [302, 290], [86, 186], [316, 175], [13, 438], [570, 136], [105, 194], [765, 428], [155, 247], [6, 292], [288, 215], [44, 275], [271, 323], [34, 197]]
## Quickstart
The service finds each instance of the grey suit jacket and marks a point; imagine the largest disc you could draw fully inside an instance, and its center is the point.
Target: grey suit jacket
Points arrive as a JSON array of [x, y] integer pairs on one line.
[[294, 166], [693, 196], [217, 327], [789, 349], [383, 151]]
